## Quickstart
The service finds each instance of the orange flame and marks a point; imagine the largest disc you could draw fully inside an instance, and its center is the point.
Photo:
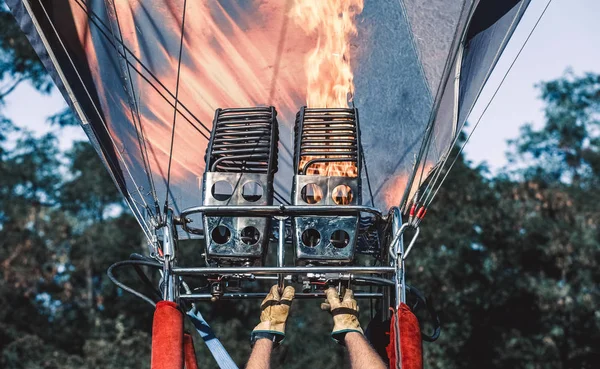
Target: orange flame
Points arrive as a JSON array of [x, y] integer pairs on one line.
[[328, 66]]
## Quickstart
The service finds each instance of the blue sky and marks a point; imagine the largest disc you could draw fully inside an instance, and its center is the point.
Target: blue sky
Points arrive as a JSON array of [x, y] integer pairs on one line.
[[567, 37]]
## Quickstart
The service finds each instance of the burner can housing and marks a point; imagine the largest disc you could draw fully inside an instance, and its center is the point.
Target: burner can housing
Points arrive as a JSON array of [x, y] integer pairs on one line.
[[323, 137], [241, 160]]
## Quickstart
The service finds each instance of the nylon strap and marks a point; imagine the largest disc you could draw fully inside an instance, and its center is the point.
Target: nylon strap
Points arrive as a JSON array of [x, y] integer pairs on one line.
[[215, 346]]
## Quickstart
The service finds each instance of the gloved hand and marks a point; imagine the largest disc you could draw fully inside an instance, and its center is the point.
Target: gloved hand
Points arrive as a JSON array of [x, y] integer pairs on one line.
[[275, 310], [344, 312]]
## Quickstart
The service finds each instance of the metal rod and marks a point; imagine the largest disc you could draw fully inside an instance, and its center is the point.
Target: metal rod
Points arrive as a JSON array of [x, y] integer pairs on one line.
[[398, 255], [281, 253], [286, 270], [266, 277], [169, 278], [412, 243], [260, 295], [281, 210]]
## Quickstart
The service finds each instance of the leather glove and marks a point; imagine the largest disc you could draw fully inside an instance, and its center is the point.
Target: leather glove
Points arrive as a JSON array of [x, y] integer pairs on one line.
[[275, 310], [344, 312]]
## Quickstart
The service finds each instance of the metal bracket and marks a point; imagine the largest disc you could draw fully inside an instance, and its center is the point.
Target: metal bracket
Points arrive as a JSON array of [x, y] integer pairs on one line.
[[281, 252], [169, 247], [397, 253]]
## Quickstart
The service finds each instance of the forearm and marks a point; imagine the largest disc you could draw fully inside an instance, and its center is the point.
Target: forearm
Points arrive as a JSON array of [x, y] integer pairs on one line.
[[260, 358], [362, 355]]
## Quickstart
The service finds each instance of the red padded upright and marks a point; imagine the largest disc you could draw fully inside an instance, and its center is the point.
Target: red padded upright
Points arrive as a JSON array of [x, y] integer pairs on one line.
[[189, 354], [411, 348], [167, 336]]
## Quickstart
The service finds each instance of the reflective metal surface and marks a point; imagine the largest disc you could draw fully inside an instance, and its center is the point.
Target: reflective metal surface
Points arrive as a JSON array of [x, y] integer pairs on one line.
[[261, 295], [287, 270]]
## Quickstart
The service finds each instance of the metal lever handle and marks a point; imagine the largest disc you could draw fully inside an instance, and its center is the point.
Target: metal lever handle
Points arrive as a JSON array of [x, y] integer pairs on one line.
[[281, 254]]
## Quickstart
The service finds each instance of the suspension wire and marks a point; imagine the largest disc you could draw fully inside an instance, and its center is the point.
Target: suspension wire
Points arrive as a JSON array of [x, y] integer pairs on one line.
[[133, 203], [437, 170], [277, 67], [364, 157], [135, 111], [440, 168], [419, 156], [175, 107], [97, 22], [280, 198], [364, 160], [424, 160], [95, 19], [428, 202], [436, 103]]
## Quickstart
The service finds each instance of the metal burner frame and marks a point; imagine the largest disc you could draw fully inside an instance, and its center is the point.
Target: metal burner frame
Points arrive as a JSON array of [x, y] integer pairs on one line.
[[242, 150], [390, 270], [335, 269]]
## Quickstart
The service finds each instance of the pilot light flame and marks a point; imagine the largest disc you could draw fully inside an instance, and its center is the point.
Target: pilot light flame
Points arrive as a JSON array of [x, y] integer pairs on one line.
[[328, 66]]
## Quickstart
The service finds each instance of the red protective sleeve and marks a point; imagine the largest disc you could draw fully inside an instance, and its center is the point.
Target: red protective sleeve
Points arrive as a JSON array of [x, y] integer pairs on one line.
[[189, 353], [411, 348], [167, 337]]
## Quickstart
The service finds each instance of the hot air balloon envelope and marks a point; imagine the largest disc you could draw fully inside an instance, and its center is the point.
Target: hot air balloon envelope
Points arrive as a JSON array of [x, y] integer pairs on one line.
[[412, 68]]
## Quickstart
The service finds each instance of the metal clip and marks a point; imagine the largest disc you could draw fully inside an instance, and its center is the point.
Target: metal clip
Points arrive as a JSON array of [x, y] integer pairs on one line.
[[395, 248], [398, 255], [170, 285]]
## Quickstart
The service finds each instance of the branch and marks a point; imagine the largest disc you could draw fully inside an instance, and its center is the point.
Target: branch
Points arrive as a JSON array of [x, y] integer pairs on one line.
[[11, 88]]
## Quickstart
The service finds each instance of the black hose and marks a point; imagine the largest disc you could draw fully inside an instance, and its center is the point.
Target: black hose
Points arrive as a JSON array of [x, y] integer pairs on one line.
[[373, 280], [143, 275], [126, 288], [437, 326]]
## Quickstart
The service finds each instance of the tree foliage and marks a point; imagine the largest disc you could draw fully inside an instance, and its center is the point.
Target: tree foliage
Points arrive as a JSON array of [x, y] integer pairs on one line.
[[18, 60]]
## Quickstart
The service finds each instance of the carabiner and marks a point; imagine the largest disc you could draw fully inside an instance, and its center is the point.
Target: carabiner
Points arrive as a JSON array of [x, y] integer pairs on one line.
[[394, 249]]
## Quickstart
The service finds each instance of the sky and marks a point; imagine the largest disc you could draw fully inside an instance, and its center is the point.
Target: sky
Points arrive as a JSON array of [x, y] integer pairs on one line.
[[567, 37]]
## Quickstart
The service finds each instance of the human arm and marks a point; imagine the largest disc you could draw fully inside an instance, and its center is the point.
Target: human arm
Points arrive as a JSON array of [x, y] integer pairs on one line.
[[361, 354], [260, 358], [347, 330], [271, 329]]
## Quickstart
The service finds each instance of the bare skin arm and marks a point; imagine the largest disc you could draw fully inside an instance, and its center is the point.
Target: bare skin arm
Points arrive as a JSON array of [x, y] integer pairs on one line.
[[274, 313], [362, 355], [260, 358]]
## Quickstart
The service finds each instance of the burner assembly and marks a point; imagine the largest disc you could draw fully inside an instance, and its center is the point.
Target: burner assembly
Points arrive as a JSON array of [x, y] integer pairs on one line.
[[241, 160], [327, 172], [326, 223]]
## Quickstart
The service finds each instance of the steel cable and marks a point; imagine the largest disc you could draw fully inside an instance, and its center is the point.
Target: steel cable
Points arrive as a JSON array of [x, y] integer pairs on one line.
[[175, 107], [429, 199]]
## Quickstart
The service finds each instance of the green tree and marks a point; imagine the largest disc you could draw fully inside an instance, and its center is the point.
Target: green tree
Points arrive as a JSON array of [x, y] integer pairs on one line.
[[513, 262], [18, 61]]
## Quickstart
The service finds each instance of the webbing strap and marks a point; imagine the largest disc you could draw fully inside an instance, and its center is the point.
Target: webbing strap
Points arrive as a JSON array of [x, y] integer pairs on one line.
[[212, 342]]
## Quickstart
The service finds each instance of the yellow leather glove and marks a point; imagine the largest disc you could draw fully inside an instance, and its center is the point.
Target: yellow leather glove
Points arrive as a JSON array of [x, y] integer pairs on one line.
[[275, 310], [344, 312]]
